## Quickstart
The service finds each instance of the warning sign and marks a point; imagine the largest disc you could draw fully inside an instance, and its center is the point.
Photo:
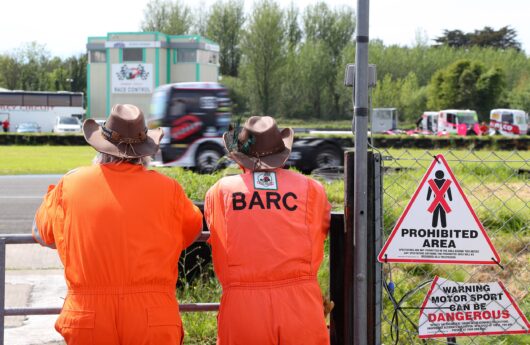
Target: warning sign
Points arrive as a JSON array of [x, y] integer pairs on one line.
[[453, 309], [439, 225]]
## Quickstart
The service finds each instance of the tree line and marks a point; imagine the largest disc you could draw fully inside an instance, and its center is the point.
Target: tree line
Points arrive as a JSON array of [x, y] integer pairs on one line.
[[290, 62]]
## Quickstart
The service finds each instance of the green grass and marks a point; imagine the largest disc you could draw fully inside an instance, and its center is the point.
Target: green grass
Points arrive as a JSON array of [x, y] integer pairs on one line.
[[498, 193], [19, 160]]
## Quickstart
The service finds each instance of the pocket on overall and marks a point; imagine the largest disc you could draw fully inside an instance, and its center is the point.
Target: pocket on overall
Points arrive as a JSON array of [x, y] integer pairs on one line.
[[164, 325], [76, 326]]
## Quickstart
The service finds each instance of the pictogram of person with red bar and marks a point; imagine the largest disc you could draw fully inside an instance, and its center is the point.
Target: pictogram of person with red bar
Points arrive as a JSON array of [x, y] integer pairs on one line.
[[439, 186]]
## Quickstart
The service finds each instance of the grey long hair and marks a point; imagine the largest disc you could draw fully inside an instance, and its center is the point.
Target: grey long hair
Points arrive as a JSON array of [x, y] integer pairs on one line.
[[104, 158]]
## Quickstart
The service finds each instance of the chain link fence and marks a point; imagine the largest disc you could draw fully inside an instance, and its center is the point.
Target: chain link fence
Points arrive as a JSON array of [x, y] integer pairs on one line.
[[498, 188]]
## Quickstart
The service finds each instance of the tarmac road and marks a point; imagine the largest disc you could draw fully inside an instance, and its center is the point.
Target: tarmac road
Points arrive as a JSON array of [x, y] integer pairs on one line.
[[20, 196]]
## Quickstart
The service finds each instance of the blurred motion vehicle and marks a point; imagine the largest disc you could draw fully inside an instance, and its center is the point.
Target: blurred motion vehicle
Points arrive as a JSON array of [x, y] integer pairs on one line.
[[461, 122], [27, 127], [508, 121], [194, 117], [67, 124]]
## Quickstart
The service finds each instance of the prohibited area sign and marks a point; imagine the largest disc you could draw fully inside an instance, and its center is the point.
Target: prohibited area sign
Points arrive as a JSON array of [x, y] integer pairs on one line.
[[439, 225]]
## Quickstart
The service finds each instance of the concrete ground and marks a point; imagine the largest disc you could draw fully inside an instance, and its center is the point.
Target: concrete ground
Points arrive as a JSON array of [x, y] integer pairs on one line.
[[34, 278]]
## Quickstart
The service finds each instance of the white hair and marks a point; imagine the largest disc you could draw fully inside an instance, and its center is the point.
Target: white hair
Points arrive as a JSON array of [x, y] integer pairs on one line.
[[105, 158]]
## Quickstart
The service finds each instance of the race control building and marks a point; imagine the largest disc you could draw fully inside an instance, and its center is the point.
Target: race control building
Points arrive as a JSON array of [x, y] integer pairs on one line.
[[126, 67]]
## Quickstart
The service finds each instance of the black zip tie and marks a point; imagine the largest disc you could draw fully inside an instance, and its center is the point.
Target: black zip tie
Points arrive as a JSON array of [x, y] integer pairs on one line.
[[498, 263], [386, 260], [436, 159]]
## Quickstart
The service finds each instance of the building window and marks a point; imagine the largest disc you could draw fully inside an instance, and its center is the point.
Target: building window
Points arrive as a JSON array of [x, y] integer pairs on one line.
[[98, 56], [133, 54], [186, 55], [208, 57]]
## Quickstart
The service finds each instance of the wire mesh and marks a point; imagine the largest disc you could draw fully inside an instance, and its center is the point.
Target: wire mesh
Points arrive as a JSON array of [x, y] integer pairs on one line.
[[498, 189]]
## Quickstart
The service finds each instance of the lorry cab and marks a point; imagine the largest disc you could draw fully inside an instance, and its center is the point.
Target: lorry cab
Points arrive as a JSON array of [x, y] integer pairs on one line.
[[194, 117], [461, 122], [508, 121]]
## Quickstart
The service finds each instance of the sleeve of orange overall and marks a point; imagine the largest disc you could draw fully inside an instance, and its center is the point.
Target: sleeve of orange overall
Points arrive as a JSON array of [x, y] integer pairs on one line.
[[210, 211], [49, 217], [191, 217]]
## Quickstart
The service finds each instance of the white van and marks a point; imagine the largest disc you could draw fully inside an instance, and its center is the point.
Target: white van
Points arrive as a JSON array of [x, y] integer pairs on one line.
[[67, 124], [508, 122]]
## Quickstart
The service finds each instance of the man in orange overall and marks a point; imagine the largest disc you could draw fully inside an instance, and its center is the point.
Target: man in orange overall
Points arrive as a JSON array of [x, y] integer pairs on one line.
[[119, 230], [268, 227]]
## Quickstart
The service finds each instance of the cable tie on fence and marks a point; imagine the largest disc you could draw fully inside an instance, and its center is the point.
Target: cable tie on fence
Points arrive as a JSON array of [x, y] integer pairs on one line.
[[436, 159], [386, 260], [498, 263]]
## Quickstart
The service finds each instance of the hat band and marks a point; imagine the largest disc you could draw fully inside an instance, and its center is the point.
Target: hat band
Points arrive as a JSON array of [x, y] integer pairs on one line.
[[116, 137], [276, 149]]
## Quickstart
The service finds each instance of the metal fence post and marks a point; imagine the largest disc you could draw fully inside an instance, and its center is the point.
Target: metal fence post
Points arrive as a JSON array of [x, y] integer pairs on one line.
[[2, 286]]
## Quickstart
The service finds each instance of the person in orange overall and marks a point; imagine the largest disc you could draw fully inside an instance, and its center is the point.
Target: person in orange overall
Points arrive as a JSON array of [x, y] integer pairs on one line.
[[119, 230], [268, 226]]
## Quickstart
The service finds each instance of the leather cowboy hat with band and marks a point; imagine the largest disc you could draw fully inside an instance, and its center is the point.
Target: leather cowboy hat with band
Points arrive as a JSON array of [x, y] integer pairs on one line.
[[259, 145], [123, 134]]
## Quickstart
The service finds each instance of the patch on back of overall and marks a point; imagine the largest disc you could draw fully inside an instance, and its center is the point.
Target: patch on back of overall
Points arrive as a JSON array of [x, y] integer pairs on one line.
[[265, 180]]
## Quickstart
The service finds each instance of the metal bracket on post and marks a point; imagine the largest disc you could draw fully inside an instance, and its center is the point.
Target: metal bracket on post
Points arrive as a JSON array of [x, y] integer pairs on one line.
[[349, 75]]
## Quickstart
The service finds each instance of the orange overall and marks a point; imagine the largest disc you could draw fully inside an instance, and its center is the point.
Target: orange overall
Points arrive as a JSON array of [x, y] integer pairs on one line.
[[267, 238], [119, 230]]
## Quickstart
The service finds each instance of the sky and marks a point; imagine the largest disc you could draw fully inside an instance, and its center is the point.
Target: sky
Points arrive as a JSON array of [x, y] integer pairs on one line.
[[64, 25]]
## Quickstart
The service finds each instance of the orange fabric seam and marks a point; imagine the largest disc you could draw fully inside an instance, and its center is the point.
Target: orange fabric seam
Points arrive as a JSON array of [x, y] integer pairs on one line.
[[272, 284]]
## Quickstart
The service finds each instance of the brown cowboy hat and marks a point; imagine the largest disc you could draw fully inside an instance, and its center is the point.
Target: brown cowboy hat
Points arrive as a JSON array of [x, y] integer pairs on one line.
[[259, 145], [124, 134]]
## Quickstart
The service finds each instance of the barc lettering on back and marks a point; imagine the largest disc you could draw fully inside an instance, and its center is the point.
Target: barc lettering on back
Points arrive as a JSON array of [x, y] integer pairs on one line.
[[271, 200]]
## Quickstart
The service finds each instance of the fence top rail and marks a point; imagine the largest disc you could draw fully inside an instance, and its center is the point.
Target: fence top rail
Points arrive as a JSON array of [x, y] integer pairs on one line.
[[28, 238]]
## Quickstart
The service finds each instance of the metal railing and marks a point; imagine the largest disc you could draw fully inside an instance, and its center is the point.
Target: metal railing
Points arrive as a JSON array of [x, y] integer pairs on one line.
[[337, 220], [28, 239]]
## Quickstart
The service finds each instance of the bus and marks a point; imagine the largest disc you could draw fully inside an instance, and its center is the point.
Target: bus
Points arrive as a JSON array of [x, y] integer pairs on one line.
[[42, 107]]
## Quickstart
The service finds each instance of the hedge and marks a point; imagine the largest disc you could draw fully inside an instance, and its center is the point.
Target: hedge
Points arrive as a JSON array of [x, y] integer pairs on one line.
[[381, 141]]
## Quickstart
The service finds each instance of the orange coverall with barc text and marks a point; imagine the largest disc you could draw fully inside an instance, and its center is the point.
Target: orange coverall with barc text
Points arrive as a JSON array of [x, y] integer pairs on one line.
[[267, 236], [119, 230]]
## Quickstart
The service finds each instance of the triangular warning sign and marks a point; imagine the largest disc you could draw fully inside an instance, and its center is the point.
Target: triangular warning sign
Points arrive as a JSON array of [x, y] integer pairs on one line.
[[453, 309], [439, 225]]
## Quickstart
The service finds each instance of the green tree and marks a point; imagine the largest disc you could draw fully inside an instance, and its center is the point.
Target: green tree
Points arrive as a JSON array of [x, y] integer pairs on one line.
[[294, 32], [172, 18], [504, 38], [263, 47], [335, 29], [519, 97], [466, 84], [10, 69], [225, 27]]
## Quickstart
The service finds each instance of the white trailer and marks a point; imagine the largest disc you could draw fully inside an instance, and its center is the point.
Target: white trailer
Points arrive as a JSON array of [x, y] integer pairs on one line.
[[384, 119]]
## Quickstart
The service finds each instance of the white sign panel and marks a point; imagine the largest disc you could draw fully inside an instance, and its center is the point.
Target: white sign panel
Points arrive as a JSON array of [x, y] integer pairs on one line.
[[439, 225], [453, 309], [132, 78], [132, 44]]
